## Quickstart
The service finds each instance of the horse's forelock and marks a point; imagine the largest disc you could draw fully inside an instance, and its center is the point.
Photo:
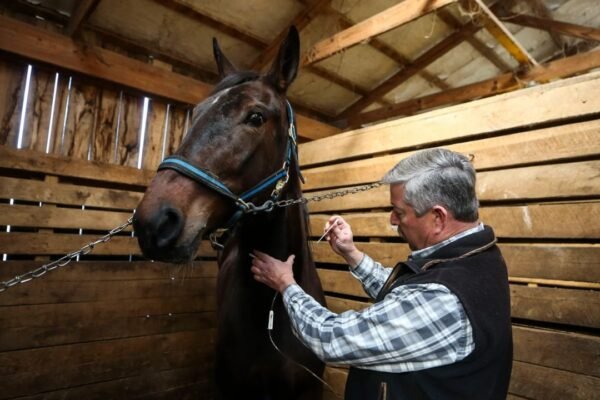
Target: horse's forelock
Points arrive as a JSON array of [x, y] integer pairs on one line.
[[235, 80]]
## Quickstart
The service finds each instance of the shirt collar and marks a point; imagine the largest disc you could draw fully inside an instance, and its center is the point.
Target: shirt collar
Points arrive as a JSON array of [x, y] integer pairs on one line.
[[427, 251]]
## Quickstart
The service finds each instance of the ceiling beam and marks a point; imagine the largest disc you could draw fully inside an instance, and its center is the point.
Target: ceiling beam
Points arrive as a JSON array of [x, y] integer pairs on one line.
[[565, 28], [506, 82], [83, 10], [497, 29], [389, 51], [43, 45], [411, 69], [389, 19], [300, 21]]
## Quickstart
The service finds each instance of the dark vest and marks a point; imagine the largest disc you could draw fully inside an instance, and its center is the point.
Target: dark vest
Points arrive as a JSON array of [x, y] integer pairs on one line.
[[474, 270]]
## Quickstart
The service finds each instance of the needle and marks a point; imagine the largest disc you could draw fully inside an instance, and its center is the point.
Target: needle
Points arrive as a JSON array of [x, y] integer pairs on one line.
[[334, 223]]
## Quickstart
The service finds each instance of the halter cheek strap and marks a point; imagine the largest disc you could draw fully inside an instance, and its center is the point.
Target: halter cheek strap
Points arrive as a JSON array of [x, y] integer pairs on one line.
[[277, 180]]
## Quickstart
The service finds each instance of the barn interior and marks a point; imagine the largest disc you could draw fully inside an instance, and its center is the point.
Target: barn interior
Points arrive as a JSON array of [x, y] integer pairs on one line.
[[95, 93]]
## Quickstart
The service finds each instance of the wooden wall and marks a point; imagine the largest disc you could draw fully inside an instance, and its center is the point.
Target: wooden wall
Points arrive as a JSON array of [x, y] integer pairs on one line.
[[112, 325], [537, 152]]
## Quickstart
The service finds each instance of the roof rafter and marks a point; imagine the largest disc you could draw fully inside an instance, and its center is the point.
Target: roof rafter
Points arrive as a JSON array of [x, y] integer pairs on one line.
[[83, 10], [391, 18], [565, 28], [497, 29], [389, 51], [562, 68], [411, 69]]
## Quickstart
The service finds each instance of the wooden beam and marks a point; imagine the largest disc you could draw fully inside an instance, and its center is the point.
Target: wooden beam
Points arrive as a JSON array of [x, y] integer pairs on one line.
[[412, 69], [391, 18], [565, 28], [188, 11], [389, 51], [52, 48], [502, 83], [83, 10], [497, 29], [300, 21]]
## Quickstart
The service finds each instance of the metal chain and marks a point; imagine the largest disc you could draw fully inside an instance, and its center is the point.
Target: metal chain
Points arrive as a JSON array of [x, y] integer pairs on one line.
[[64, 260], [268, 206]]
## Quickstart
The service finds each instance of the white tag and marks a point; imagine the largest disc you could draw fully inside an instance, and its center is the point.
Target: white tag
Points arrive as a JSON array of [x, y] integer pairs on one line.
[[270, 326]]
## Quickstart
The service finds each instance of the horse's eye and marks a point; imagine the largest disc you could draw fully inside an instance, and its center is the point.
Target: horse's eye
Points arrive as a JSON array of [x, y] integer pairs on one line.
[[255, 119]]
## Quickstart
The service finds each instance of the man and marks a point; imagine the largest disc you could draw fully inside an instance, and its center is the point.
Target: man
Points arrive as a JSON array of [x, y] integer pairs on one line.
[[440, 325]]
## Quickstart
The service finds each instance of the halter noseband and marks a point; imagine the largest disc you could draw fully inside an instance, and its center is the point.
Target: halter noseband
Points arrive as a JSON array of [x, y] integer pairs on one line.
[[277, 180]]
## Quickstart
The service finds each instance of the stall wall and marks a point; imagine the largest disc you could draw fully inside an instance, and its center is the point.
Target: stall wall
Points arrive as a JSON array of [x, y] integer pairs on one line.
[[537, 152]]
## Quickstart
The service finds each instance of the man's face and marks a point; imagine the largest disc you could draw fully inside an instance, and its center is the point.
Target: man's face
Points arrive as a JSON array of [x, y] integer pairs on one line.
[[417, 231]]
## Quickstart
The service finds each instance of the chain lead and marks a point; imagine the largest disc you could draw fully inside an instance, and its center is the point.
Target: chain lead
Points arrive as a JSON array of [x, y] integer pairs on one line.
[[64, 260]]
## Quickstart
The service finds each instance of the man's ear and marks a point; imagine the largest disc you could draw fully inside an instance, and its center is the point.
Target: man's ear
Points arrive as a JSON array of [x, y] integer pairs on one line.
[[285, 66], [224, 66], [440, 217]]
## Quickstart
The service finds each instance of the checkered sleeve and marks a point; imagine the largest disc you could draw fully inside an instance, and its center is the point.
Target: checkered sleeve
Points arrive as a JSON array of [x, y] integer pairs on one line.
[[415, 327], [371, 274]]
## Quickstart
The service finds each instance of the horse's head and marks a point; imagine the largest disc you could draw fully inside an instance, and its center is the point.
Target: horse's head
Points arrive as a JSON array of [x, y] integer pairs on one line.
[[238, 137]]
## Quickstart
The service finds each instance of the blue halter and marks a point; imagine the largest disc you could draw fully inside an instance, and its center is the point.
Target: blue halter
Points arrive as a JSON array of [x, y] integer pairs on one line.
[[277, 180]]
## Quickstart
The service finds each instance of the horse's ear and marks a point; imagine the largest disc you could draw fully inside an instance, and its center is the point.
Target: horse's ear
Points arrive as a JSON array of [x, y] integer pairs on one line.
[[285, 67], [224, 66]]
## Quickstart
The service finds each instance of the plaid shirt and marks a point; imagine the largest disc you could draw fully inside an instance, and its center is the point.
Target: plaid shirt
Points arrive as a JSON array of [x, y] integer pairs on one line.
[[415, 327]]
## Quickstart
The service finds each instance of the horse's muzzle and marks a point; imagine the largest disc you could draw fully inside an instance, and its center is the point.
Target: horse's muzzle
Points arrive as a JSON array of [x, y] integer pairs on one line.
[[159, 232]]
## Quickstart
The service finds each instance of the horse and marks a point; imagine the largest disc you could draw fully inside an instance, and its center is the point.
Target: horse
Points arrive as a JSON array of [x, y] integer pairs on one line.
[[234, 169]]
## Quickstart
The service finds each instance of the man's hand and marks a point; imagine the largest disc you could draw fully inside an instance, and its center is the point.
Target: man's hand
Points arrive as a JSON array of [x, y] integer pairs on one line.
[[341, 240], [272, 272]]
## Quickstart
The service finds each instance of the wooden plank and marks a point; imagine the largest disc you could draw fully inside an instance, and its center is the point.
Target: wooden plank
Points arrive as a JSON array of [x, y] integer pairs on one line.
[[497, 29], [552, 25], [119, 270], [84, 106], [53, 324], [557, 181], [53, 243], [341, 282], [551, 261], [336, 378], [35, 162], [11, 78], [411, 69], [135, 386], [49, 47], [382, 22], [568, 351], [386, 253], [129, 135], [506, 82], [58, 217], [556, 305], [28, 372], [571, 141], [38, 124], [528, 221], [535, 382], [51, 292], [577, 95], [106, 128], [34, 190], [46, 46]]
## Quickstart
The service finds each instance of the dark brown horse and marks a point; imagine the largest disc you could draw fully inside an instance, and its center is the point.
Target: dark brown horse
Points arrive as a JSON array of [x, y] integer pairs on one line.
[[240, 152]]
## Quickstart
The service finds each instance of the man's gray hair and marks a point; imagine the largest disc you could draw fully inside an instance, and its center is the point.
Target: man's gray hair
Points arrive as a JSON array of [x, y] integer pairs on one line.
[[437, 177]]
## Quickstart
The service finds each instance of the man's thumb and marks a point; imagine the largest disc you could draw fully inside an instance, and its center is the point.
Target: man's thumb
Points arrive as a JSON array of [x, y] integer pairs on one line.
[[291, 259]]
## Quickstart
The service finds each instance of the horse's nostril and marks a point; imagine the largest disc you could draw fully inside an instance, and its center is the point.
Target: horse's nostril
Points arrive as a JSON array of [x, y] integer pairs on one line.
[[168, 227]]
